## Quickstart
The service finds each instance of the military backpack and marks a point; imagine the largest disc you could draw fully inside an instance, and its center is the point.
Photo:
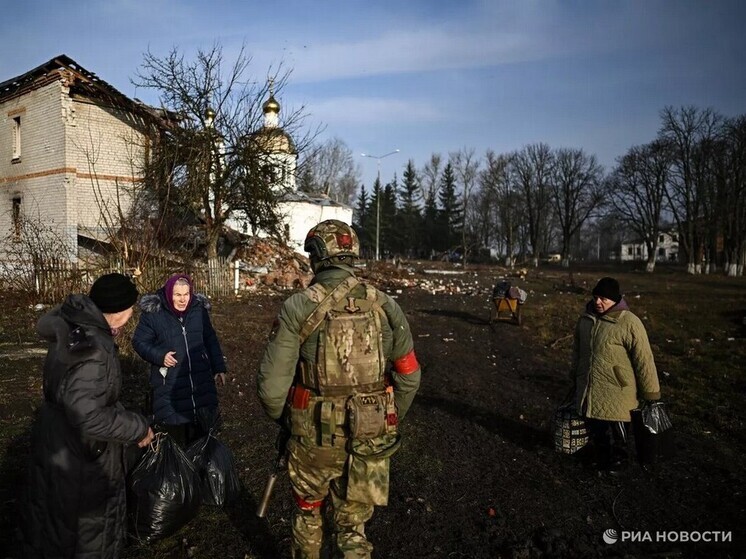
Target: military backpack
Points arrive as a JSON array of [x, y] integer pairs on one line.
[[350, 363]]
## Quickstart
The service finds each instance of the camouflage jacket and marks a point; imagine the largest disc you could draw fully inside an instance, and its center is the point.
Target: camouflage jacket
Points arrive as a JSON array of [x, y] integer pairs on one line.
[[278, 366]]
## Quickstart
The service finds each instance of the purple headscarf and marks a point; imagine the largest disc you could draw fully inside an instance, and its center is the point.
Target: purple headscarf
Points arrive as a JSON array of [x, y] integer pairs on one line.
[[169, 292]]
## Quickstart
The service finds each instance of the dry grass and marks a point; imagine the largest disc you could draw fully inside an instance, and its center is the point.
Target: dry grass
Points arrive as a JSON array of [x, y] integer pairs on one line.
[[695, 325]]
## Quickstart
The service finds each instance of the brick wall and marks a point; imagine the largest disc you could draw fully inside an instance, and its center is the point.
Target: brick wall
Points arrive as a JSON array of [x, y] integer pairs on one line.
[[107, 151], [78, 161], [38, 177]]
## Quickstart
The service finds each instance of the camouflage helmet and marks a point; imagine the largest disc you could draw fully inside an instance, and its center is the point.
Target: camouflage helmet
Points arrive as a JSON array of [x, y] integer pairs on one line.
[[332, 238]]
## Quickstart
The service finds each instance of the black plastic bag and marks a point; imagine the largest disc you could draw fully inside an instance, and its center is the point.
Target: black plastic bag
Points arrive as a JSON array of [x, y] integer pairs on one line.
[[501, 289], [209, 420], [653, 432], [163, 491], [215, 465]]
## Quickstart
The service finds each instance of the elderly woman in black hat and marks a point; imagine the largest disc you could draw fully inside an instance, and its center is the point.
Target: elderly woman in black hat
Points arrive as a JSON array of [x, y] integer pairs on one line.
[[613, 370], [74, 502]]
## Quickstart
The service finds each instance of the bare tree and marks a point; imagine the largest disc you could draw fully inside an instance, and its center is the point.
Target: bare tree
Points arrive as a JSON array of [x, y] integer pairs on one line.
[[330, 169], [498, 192], [636, 190], [732, 166], [576, 193], [685, 130], [480, 220], [532, 166], [466, 168], [36, 259], [219, 160], [430, 179]]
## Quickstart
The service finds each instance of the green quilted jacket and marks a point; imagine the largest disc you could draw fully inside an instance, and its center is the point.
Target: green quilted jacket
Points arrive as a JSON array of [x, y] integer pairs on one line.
[[613, 365]]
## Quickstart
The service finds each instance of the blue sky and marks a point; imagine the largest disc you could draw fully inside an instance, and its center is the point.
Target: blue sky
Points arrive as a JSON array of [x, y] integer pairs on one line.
[[427, 76]]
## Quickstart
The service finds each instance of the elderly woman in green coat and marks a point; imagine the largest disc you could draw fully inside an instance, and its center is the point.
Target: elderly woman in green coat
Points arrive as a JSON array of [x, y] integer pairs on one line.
[[613, 370]]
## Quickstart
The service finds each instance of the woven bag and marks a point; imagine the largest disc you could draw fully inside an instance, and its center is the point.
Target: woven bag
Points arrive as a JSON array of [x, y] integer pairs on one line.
[[570, 430]]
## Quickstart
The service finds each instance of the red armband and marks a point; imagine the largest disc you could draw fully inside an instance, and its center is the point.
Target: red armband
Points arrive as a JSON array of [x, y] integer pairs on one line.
[[407, 364], [306, 505]]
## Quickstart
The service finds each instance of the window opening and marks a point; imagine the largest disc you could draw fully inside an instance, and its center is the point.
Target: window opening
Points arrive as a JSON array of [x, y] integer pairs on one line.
[[16, 137], [17, 216]]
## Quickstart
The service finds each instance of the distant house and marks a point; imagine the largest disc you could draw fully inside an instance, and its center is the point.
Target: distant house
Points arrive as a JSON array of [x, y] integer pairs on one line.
[[667, 250], [68, 143], [553, 257]]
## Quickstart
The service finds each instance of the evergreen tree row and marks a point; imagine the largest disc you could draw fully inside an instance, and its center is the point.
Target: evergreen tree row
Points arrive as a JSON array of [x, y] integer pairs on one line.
[[408, 223]]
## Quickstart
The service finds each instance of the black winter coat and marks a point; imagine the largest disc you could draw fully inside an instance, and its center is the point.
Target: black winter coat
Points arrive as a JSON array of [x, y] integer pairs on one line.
[[190, 384], [74, 504]]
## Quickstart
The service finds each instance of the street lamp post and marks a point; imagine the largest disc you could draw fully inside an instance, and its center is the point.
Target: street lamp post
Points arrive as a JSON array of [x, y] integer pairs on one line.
[[378, 198]]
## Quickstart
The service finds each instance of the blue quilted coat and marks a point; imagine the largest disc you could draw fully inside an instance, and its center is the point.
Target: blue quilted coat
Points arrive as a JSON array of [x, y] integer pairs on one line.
[[179, 391]]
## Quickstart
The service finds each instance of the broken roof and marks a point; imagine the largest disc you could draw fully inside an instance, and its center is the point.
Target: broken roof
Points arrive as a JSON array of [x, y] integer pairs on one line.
[[81, 82]]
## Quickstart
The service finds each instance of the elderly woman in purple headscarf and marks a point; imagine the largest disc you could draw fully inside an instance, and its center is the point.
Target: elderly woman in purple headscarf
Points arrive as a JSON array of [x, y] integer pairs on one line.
[[176, 337]]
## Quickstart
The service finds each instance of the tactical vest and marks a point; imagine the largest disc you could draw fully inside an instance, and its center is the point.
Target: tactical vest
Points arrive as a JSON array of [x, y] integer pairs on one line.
[[347, 379], [349, 356]]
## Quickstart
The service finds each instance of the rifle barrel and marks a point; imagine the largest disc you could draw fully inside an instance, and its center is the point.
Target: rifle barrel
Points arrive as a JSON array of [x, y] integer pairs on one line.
[[262, 508]]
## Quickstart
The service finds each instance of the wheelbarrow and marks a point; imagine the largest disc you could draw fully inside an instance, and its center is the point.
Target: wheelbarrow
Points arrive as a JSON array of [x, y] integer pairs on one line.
[[507, 309]]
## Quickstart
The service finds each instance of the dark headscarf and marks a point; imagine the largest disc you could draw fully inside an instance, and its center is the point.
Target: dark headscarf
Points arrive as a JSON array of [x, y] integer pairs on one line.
[[168, 290]]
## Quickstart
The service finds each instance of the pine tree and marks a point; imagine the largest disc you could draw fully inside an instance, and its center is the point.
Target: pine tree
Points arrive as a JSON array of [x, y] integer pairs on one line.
[[388, 214], [450, 212], [374, 216], [409, 218], [361, 222]]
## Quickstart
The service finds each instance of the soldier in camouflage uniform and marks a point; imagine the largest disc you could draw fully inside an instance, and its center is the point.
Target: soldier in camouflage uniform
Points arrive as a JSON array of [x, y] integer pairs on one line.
[[324, 376]]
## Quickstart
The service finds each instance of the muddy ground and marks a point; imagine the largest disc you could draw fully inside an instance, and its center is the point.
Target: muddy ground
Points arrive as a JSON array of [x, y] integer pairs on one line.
[[477, 475]]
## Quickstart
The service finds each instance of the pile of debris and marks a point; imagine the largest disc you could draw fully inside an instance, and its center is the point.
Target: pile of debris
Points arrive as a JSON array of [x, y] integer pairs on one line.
[[266, 262], [435, 281]]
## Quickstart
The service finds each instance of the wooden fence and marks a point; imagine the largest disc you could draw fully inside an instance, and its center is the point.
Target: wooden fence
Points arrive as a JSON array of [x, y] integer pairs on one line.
[[51, 280]]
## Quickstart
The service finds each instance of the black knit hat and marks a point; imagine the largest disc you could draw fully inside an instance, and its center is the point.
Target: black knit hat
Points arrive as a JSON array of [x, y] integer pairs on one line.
[[608, 288], [113, 293]]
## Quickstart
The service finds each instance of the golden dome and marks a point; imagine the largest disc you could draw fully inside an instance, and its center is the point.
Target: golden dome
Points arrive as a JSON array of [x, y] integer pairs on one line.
[[271, 105]]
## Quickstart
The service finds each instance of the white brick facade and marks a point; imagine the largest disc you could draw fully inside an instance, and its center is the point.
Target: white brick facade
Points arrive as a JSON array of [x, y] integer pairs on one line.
[[39, 176], [79, 158]]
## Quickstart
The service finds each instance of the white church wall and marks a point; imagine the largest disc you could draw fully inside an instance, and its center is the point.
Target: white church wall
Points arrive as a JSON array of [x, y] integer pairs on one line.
[[301, 216]]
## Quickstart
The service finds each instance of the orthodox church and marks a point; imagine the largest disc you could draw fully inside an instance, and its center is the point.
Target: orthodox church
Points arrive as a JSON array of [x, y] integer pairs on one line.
[[299, 211]]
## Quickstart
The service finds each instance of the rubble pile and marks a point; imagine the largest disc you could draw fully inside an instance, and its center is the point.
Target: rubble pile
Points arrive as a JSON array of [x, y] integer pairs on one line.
[[266, 262], [269, 265], [447, 286], [435, 281]]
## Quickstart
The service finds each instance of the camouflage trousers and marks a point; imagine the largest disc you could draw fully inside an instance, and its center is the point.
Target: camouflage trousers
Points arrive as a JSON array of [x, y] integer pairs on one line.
[[352, 486]]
